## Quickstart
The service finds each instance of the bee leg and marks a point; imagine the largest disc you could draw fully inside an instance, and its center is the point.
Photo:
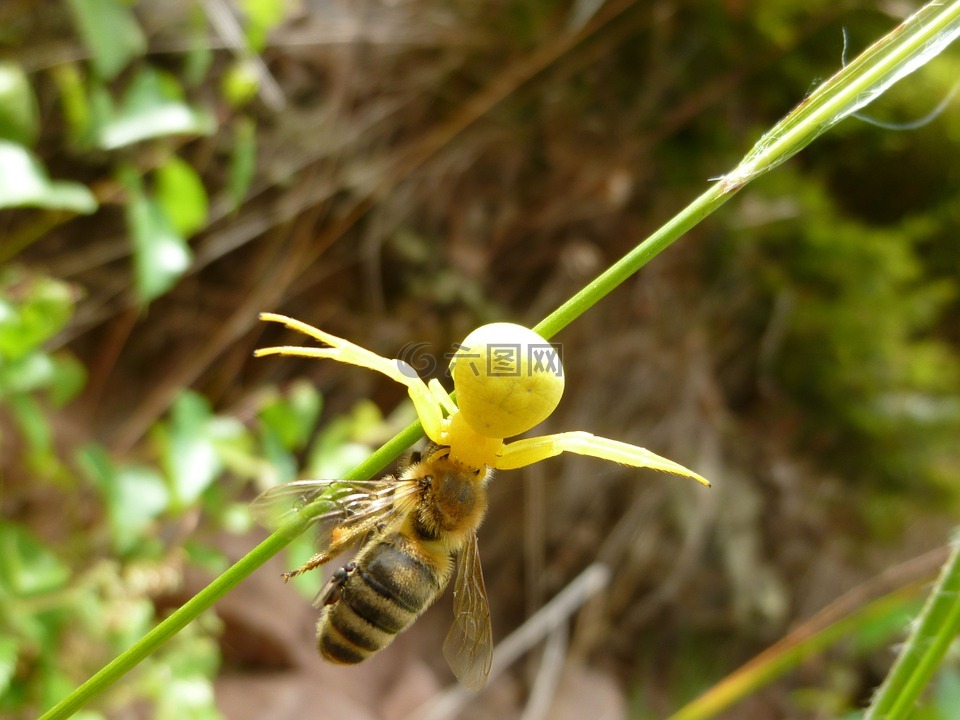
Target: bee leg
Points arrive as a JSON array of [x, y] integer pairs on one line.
[[332, 590], [314, 562]]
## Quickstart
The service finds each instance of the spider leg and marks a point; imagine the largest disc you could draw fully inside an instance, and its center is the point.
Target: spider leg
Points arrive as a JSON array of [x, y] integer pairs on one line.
[[521, 453], [442, 397], [426, 403]]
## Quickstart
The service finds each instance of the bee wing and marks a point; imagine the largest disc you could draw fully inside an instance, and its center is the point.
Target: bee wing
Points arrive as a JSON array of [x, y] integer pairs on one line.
[[273, 507], [469, 644], [353, 507]]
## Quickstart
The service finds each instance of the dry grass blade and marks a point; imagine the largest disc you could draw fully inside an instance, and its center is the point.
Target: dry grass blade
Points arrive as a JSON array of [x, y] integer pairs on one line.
[[888, 589], [587, 584]]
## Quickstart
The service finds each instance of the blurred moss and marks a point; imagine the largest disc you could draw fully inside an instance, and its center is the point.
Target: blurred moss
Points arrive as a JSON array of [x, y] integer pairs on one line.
[[845, 320]]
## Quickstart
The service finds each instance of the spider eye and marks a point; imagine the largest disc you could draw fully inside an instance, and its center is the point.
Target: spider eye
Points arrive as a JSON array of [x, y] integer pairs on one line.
[[508, 379]]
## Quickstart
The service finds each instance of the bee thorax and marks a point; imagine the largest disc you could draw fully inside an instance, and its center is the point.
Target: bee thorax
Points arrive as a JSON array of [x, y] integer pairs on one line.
[[452, 503]]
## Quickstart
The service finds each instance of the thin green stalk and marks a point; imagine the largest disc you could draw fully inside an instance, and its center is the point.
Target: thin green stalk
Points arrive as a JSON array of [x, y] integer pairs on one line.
[[933, 632], [900, 52], [912, 44]]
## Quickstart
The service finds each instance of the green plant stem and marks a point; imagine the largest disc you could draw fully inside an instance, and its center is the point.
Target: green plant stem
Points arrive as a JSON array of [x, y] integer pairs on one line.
[[933, 632], [902, 51]]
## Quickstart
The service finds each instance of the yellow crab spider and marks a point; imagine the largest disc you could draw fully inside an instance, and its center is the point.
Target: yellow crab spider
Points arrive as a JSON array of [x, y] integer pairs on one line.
[[508, 379]]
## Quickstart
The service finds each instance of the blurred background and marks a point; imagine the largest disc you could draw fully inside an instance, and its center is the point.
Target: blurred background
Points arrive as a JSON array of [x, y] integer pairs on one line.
[[398, 172]]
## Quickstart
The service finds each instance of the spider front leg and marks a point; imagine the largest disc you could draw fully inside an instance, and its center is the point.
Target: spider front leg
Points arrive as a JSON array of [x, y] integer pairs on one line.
[[442, 397], [521, 453], [427, 404]]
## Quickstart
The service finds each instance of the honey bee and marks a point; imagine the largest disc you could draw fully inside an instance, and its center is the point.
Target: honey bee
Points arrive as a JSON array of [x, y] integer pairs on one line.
[[508, 379], [415, 527]]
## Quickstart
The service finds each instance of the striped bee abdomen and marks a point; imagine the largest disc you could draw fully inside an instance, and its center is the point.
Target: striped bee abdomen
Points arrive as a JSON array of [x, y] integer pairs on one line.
[[388, 586]]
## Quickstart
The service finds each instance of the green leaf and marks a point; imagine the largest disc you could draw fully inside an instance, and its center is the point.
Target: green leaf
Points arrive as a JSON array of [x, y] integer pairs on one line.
[[77, 110], [191, 458], [69, 377], [243, 160], [240, 83], [101, 111], [199, 57], [292, 419], [160, 254], [282, 464], [9, 648], [190, 696], [236, 519], [183, 680], [33, 424], [211, 559], [33, 308], [88, 714], [234, 445], [110, 32], [18, 107], [262, 16], [181, 193], [286, 425], [193, 446], [947, 692], [28, 567], [140, 495], [24, 183], [153, 107], [26, 374], [342, 444], [134, 495]]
